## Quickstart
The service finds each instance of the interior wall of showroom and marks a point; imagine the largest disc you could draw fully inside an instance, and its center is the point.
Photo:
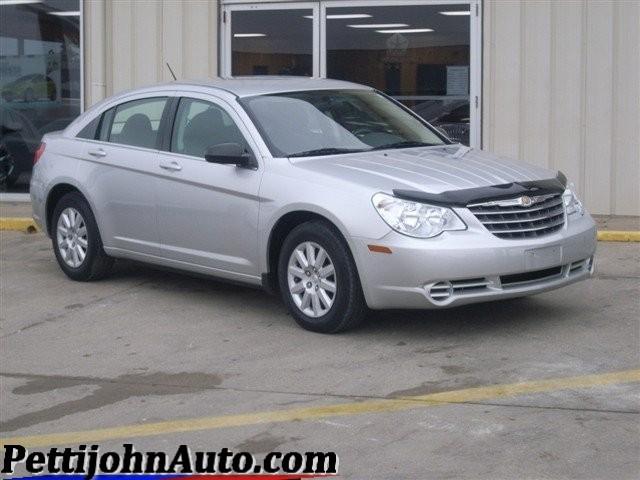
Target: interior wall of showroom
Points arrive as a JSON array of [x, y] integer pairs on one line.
[[561, 78]]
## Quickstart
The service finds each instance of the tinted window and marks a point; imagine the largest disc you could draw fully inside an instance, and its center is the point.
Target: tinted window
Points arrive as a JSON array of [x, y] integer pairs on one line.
[[137, 123], [89, 131], [199, 125]]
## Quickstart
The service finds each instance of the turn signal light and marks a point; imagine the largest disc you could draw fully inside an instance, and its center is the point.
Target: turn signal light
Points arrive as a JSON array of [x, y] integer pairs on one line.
[[39, 152], [379, 249]]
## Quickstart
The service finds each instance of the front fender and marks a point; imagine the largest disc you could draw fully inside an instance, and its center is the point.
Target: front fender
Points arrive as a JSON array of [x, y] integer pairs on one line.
[[349, 209]]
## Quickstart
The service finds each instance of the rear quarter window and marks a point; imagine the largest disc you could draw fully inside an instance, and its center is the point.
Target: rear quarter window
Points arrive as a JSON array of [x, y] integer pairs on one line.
[[90, 130]]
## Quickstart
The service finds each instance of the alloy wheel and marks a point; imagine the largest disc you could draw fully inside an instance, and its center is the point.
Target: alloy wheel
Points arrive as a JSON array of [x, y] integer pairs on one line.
[[71, 235], [311, 278]]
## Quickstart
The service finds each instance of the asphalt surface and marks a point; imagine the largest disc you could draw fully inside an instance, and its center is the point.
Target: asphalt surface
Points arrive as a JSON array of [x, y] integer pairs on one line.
[[147, 346]]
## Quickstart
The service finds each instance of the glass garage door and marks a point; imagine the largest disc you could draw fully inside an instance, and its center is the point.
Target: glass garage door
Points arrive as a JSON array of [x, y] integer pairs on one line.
[[424, 54]]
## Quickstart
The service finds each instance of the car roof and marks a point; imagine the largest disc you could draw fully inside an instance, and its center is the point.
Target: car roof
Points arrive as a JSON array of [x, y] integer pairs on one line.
[[224, 87], [260, 85]]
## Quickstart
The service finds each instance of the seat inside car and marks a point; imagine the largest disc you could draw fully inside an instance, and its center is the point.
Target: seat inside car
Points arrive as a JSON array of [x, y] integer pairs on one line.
[[206, 129], [137, 131]]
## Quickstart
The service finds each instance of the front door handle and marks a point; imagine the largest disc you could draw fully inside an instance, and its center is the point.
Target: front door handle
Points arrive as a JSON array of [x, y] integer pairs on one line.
[[100, 153], [173, 166]]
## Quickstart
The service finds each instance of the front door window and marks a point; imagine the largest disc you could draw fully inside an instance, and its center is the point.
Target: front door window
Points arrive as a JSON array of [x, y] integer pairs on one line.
[[199, 125]]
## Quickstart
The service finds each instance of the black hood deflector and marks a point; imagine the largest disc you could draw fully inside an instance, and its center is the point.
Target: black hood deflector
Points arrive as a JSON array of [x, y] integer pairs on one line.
[[462, 198]]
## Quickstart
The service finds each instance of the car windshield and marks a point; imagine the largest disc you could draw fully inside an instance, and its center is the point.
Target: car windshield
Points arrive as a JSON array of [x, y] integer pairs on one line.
[[329, 122]]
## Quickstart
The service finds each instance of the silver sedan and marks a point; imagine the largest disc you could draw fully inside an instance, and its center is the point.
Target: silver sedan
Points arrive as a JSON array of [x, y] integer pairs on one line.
[[328, 193]]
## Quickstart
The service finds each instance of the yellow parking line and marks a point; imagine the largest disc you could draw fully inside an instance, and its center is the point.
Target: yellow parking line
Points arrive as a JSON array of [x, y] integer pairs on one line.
[[19, 224], [618, 236], [309, 413]]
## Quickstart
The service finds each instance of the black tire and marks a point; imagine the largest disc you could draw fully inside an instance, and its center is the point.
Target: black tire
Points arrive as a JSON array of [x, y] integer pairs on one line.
[[97, 264], [349, 308]]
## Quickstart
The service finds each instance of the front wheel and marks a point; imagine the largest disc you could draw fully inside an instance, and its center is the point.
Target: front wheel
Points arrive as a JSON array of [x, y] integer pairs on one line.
[[76, 240], [318, 279]]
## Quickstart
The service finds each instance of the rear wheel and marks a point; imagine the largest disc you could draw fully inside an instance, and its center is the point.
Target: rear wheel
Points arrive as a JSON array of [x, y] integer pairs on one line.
[[76, 240], [318, 279]]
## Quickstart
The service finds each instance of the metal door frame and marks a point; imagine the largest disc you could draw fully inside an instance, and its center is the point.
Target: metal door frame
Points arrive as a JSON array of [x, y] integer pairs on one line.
[[319, 8], [225, 29]]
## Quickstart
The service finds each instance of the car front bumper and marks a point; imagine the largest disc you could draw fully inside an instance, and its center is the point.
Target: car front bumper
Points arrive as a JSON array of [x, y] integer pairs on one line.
[[457, 268]]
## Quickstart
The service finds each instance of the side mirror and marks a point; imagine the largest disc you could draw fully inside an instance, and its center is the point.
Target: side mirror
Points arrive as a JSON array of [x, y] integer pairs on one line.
[[229, 154]]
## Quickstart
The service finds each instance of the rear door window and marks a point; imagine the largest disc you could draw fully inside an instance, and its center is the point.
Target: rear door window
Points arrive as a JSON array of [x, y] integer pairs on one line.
[[137, 123]]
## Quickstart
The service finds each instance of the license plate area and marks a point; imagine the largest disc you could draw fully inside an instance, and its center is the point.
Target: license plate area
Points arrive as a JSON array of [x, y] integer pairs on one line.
[[541, 258]]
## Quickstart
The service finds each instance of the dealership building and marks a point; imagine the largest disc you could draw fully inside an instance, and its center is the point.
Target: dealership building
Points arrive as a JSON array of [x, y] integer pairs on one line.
[[553, 83]]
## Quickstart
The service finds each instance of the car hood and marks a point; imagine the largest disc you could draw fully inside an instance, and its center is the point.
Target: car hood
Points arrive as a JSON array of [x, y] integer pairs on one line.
[[427, 169]]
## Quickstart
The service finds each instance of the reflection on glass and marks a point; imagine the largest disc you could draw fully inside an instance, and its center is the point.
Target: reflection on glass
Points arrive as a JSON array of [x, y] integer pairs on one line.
[[272, 42], [418, 54], [327, 122], [39, 80]]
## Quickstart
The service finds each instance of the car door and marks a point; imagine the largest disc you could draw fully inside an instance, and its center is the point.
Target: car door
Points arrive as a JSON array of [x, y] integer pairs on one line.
[[119, 172], [207, 212]]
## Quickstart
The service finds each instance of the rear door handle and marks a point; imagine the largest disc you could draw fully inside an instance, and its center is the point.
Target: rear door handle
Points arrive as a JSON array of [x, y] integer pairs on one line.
[[173, 166], [98, 153]]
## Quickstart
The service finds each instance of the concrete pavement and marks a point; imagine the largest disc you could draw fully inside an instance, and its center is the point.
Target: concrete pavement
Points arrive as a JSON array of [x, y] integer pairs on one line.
[[147, 346]]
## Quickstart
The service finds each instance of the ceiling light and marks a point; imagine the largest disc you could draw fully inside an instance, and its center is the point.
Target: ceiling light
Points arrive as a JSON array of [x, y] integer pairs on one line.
[[347, 16], [406, 30], [454, 13], [249, 35], [65, 14], [344, 16], [379, 25], [18, 2]]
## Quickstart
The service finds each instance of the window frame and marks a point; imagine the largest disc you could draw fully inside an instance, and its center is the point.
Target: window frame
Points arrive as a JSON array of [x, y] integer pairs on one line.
[[225, 34]]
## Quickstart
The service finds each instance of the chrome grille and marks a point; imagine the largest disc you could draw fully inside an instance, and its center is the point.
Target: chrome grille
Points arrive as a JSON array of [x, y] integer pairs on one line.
[[508, 219]]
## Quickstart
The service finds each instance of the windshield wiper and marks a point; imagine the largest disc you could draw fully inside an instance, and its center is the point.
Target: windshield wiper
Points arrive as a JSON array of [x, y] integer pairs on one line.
[[325, 151], [403, 144]]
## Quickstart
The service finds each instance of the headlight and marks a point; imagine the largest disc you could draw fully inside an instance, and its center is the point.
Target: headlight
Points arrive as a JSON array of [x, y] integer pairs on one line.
[[572, 205], [416, 219]]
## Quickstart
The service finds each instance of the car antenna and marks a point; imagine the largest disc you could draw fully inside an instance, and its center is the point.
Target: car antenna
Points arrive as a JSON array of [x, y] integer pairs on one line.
[[171, 72]]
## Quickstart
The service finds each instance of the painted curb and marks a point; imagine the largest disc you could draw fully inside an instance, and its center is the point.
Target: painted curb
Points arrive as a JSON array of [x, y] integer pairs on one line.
[[27, 225], [618, 236], [18, 224]]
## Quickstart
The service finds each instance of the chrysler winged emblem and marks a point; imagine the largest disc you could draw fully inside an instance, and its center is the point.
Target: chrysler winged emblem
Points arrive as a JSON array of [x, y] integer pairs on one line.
[[526, 201]]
